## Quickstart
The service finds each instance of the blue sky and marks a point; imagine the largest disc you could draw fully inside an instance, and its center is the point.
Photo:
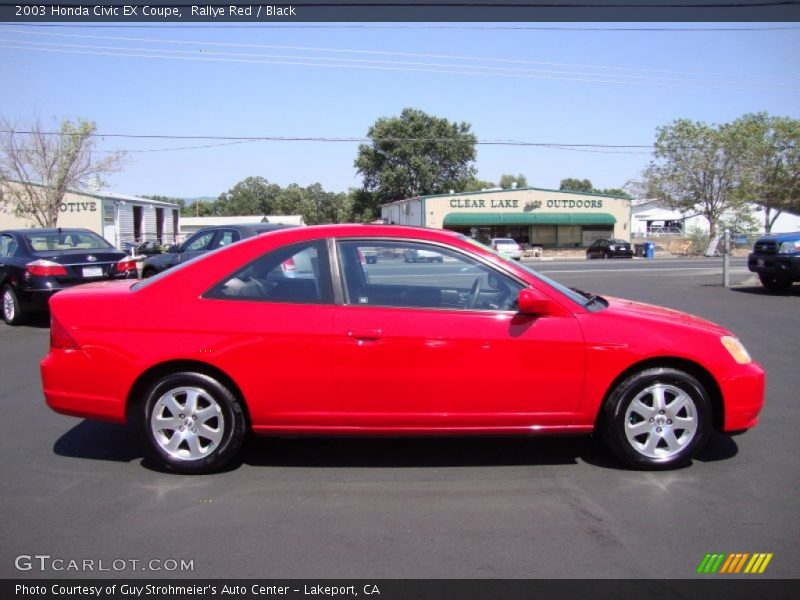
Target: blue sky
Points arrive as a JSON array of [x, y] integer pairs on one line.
[[568, 86]]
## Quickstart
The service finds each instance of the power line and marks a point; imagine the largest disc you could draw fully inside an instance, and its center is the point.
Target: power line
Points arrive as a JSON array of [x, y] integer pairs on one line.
[[369, 52], [347, 139], [455, 70], [357, 62]]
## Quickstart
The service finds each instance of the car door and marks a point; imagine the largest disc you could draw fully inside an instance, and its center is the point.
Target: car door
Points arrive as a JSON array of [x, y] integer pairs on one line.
[[439, 344], [279, 332], [10, 268], [200, 242]]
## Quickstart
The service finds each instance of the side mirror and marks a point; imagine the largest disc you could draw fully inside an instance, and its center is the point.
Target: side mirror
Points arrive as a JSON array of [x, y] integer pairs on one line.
[[173, 249], [532, 302]]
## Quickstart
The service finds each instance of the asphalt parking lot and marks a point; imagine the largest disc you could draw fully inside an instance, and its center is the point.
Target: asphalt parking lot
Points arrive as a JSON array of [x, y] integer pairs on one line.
[[419, 508]]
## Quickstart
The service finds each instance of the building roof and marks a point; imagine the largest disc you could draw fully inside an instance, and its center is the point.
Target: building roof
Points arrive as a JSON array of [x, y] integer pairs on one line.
[[503, 191]]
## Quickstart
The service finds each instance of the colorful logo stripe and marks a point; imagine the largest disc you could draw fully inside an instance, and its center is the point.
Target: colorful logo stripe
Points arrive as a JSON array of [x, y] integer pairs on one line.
[[734, 563]]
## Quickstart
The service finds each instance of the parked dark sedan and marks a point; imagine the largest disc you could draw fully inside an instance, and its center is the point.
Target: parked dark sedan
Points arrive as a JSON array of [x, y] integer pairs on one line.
[[608, 248], [204, 240], [36, 263]]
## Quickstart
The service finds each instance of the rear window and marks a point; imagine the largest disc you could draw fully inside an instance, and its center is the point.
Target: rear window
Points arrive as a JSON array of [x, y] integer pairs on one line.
[[50, 241]]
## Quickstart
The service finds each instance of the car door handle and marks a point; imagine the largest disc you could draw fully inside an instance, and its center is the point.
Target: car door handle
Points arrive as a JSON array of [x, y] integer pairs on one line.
[[365, 335]]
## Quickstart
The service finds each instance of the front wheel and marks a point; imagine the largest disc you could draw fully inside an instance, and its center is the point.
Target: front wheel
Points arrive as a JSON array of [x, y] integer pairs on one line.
[[191, 423], [12, 311], [775, 284], [657, 419]]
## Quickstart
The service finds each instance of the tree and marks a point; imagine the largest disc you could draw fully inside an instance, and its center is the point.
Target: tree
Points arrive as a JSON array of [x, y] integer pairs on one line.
[[251, 196], [772, 166], [575, 185], [508, 182], [415, 154], [44, 166], [698, 167]]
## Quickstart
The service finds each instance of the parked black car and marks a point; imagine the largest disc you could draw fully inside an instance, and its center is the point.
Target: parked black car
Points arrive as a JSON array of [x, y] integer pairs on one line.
[[204, 240], [776, 260], [608, 248], [36, 263]]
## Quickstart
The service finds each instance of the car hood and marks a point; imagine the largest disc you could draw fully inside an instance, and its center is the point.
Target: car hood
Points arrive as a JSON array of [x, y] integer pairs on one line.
[[660, 314]]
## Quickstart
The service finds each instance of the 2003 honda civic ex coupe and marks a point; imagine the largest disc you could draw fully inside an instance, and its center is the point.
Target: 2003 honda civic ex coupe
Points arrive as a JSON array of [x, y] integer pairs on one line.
[[475, 344]]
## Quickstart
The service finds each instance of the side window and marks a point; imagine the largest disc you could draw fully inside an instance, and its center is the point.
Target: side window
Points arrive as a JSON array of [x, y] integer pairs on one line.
[[295, 274], [419, 275], [8, 246], [226, 238], [199, 242]]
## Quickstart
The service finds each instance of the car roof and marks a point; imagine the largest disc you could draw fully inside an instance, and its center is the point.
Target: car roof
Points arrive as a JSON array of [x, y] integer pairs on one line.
[[248, 227], [47, 230]]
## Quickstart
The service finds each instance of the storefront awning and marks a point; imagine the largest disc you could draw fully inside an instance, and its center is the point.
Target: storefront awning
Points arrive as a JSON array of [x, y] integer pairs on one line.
[[494, 218]]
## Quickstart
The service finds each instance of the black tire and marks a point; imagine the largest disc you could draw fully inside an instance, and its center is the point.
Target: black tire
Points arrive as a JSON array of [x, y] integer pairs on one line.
[[775, 284], [671, 449], [149, 272], [12, 310], [225, 413]]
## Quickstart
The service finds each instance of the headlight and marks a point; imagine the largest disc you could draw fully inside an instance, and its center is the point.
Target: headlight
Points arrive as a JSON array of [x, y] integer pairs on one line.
[[736, 350], [789, 247]]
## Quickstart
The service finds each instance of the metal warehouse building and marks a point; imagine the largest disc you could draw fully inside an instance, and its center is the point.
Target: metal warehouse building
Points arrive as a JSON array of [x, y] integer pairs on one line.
[[539, 217], [117, 217]]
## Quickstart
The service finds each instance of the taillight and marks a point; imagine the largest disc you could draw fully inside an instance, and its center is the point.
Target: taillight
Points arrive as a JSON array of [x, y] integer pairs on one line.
[[126, 264], [45, 268], [59, 336], [494, 247]]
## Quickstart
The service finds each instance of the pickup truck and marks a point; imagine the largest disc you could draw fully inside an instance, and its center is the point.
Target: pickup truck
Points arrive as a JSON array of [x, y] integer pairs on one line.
[[776, 260]]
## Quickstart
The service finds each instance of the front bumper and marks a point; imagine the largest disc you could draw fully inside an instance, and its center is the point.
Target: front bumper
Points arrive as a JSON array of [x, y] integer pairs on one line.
[[784, 266], [743, 397]]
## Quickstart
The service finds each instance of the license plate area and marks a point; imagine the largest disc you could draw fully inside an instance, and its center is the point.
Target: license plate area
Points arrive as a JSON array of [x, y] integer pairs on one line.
[[92, 271]]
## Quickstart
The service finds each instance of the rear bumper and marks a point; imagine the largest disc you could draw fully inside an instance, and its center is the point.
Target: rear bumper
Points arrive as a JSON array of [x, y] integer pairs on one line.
[[72, 387], [743, 396]]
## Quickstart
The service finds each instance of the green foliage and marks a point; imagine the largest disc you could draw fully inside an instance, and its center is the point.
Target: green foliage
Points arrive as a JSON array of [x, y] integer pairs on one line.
[[44, 167], [771, 176], [414, 154], [257, 196], [698, 167], [585, 185], [508, 182], [476, 185], [575, 185]]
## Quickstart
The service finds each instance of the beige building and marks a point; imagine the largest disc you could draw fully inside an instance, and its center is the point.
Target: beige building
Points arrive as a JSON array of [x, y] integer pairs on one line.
[[538, 217], [119, 218]]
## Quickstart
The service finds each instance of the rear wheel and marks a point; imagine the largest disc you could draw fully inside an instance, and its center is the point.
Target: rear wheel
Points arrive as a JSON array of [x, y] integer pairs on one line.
[[775, 284], [191, 423], [657, 419], [149, 272], [12, 311]]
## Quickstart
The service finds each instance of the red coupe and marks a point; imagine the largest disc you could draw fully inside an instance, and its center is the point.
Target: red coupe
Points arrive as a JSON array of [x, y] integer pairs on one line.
[[295, 332]]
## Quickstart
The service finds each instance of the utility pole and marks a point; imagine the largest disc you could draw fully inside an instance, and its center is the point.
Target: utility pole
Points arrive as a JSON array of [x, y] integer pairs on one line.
[[726, 258]]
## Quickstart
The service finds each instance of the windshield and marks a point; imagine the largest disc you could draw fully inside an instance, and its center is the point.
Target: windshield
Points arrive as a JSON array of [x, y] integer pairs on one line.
[[49, 241]]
